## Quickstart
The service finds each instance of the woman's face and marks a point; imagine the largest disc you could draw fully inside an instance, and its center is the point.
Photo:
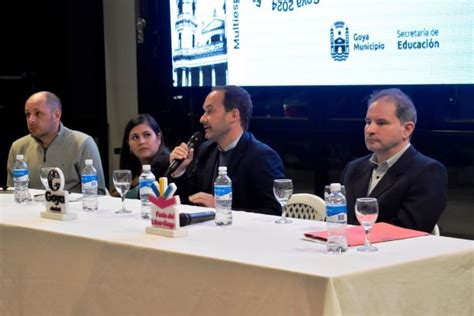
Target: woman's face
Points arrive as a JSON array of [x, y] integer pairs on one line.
[[144, 143]]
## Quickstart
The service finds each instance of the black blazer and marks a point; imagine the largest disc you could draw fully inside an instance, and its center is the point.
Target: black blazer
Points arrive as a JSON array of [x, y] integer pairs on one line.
[[411, 194], [252, 167]]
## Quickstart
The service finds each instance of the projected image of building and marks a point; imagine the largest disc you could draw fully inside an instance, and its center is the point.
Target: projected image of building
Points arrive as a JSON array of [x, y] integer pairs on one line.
[[199, 44]]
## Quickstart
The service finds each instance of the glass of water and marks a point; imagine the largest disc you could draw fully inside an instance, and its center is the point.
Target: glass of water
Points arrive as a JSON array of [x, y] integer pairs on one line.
[[122, 180], [283, 189], [44, 176], [44, 181], [367, 211]]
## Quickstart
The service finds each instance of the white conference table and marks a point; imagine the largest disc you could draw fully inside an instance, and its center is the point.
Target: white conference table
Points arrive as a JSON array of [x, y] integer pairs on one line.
[[105, 263]]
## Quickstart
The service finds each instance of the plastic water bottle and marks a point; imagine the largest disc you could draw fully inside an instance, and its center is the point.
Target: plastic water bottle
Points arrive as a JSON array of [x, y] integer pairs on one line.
[[89, 187], [145, 182], [223, 198], [21, 179], [336, 220]]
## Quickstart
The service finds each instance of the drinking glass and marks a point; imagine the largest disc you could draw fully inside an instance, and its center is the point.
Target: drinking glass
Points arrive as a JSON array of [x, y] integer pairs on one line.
[[44, 181], [122, 180], [44, 176], [283, 189], [367, 211]]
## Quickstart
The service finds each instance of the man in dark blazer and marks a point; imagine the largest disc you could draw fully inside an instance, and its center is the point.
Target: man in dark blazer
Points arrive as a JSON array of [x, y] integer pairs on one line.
[[251, 165], [409, 186]]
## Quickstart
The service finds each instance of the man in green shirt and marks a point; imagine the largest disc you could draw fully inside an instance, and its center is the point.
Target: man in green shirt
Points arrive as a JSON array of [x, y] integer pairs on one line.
[[51, 144]]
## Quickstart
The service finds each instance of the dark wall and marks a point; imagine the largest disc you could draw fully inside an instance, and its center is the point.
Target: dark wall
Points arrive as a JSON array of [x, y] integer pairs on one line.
[[55, 45], [317, 130]]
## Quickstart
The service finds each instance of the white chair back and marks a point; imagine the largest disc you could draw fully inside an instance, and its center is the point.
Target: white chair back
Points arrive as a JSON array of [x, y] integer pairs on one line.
[[436, 231], [306, 206]]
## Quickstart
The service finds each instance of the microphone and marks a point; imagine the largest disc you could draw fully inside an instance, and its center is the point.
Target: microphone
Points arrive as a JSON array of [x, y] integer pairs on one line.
[[193, 142], [193, 218]]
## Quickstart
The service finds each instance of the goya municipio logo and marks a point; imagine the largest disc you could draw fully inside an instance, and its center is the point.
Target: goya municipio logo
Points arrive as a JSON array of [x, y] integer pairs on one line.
[[339, 41]]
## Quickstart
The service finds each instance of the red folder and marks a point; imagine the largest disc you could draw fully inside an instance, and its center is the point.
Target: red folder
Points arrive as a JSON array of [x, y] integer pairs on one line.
[[380, 232]]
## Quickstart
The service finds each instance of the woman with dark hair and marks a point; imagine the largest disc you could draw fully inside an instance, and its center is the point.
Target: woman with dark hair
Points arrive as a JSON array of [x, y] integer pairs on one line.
[[142, 144]]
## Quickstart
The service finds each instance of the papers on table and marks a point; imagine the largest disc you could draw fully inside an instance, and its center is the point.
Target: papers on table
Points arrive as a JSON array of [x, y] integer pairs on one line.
[[380, 232]]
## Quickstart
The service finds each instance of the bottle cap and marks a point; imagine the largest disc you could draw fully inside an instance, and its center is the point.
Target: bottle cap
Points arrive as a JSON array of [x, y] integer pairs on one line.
[[19, 157], [335, 187], [89, 162], [222, 169], [146, 167]]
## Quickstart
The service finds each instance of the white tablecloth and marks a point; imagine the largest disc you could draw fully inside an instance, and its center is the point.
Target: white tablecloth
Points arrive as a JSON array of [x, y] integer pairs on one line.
[[105, 263]]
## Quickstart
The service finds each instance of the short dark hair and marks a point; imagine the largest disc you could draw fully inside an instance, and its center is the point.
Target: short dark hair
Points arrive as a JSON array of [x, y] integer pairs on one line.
[[127, 159], [237, 98], [404, 108]]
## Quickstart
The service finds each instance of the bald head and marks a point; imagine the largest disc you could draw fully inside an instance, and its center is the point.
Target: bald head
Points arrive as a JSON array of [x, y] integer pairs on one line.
[[49, 98]]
